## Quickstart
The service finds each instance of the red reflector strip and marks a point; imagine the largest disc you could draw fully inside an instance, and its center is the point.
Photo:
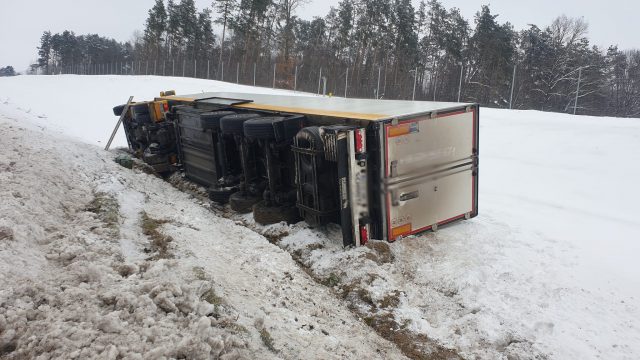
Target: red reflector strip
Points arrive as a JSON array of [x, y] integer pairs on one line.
[[359, 140], [364, 235], [166, 107]]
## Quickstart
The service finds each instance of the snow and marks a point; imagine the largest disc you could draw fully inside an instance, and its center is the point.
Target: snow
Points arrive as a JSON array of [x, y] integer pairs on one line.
[[548, 269]]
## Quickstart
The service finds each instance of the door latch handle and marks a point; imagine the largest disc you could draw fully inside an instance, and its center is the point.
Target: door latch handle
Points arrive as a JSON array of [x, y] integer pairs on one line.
[[410, 196]]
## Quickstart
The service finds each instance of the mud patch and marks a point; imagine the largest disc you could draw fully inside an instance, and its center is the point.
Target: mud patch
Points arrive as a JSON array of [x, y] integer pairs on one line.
[[159, 241]]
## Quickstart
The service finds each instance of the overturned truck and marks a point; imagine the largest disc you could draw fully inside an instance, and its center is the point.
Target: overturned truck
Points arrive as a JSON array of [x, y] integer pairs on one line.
[[381, 169]]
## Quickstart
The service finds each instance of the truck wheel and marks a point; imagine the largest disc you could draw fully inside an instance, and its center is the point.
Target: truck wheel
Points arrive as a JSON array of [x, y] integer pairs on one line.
[[266, 215], [233, 124], [211, 120], [221, 195], [117, 111], [262, 128], [241, 202]]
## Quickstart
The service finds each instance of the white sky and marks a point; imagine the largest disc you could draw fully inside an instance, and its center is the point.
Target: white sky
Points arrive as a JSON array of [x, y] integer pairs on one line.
[[23, 21]]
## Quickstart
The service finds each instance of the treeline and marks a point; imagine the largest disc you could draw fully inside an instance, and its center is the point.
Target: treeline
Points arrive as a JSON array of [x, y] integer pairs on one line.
[[376, 49]]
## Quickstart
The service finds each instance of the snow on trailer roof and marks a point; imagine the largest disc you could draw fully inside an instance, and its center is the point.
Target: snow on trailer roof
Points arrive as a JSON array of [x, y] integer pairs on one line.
[[361, 109]]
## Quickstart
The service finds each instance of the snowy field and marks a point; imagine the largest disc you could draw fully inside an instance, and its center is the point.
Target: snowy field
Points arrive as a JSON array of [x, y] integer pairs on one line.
[[548, 269]]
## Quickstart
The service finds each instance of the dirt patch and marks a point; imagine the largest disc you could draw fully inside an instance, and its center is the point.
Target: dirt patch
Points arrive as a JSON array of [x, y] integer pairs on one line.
[[159, 241], [381, 252], [412, 345]]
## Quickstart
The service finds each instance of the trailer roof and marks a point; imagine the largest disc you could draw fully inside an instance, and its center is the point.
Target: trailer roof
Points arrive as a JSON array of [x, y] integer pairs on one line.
[[361, 109]]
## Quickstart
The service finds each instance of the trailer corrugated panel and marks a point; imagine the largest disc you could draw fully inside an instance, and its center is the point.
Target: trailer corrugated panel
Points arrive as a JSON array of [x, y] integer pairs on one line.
[[197, 147]]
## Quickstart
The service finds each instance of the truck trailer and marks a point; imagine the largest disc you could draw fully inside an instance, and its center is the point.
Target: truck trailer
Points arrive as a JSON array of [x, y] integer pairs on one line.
[[381, 169]]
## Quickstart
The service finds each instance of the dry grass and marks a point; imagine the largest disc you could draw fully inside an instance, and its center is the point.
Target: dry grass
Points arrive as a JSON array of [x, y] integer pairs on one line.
[[159, 241], [106, 207], [6, 233], [267, 340]]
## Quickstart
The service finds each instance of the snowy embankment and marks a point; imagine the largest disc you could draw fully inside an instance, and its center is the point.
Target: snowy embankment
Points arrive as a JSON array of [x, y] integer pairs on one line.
[[547, 269]]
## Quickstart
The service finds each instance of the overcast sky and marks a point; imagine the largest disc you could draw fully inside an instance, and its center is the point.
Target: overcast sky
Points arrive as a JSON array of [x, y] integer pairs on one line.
[[23, 21]]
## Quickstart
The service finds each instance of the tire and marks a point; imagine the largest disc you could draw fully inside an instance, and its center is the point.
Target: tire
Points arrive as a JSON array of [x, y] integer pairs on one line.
[[221, 195], [117, 111], [267, 215], [233, 124], [242, 203], [211, 120], [262, 128]]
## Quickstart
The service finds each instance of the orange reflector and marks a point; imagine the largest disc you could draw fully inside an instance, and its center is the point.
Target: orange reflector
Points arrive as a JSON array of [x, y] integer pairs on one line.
[[401, 230]]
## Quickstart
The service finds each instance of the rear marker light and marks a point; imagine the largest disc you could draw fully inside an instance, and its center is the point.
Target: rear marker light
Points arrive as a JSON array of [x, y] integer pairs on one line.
[[364, 235], [359, 137]]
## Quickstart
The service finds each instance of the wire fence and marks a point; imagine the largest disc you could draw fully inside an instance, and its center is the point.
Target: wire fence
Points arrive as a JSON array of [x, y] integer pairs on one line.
[[375, 82]]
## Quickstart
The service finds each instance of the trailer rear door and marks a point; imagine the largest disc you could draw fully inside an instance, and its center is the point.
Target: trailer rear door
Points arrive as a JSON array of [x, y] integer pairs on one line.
[[431, 171]]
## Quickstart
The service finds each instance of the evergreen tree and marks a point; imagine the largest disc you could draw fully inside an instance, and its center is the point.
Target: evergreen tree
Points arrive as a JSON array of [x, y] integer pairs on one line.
[[155, 28]]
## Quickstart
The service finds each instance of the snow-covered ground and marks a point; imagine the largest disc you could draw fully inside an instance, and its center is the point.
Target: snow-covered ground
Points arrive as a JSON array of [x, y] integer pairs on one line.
[[548, 269]]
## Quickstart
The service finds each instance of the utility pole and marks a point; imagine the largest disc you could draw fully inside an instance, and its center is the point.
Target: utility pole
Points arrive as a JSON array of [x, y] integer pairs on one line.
[[460, 85], [513, 84], [575, 105], [415, 80]]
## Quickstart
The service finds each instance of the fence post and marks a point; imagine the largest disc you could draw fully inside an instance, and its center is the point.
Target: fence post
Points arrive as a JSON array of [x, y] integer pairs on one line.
[[346, 82], [274, 75], [195, 68], [575, 105], [460, 85], [319, 81], [378, 88], [415, 80], [184, 64], [208, 69], [238, 73], [254, 74], [435, 87], [295, 79], [513, 83]]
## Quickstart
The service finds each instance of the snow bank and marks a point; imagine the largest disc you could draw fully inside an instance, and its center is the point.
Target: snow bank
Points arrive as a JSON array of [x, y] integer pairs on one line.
[[548, 269]]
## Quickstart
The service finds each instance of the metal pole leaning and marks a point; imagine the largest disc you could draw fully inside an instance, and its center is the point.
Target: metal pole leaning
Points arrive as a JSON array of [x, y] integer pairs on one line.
[[115, 130]]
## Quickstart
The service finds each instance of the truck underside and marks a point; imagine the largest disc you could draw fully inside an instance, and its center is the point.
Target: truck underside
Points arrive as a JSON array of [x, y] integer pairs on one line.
[[380, 169]]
